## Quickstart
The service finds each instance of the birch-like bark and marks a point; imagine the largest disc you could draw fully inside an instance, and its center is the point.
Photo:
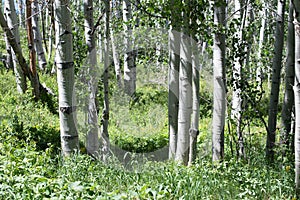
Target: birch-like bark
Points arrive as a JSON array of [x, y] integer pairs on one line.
[[104, 135], [288, 101], [37, 36], [276, 68], [11, 17], [219, 104], [129, 60], [194, 130], [185, 91], [236, 112], [21, 12], [174, 62], [8, 60], [65, 77], [296, 88], [15, 45], [259, 70], [92, 141], [116, 58]]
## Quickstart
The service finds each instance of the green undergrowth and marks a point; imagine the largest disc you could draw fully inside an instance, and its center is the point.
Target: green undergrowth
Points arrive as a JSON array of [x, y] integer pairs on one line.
[[31, 166]]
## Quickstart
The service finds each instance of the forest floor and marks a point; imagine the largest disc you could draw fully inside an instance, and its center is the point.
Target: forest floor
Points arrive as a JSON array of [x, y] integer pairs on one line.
[[31, 166]]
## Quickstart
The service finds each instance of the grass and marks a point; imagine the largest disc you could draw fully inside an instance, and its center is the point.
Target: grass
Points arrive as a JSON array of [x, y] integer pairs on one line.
[[31, 166]]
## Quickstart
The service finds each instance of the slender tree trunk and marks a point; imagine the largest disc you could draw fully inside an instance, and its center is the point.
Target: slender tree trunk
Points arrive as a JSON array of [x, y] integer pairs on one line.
[[288, 102], [11, 17], [296, 88], [194, 130], [92, 141], [129, 61], [276, 68], [185, 91], [65, 77], [104, 136], [32, 54], [21, 12], [219, 105], [174, 62], [236, 112], [259, 70], [37, 36], [51, 31], [44, 12], [114, 13]]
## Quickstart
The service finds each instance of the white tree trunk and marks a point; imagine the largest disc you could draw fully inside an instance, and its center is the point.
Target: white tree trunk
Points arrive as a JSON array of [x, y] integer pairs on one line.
[[9, 60], [288, 101], [129, 60], [174, 62], [185, 93], [37, 36], [236, 112], [219, 104], [65, 77], [92, 141], [194, 130], [116, 58], [297, 93], [276, 68], [259, 69], [11, 17]]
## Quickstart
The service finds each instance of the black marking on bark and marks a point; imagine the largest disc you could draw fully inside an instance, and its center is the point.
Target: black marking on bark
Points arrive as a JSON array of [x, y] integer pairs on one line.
[[69, 137], [65, 65], [67, 110]]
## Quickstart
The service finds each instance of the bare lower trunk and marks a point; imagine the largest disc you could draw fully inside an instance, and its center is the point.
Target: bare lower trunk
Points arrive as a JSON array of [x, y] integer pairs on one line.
[[219, 105], [194, 130], [276, 68], [296, 88], [174, 62], [185, 92], [104, 136], [92, 141], [65, 77], [288, 102]]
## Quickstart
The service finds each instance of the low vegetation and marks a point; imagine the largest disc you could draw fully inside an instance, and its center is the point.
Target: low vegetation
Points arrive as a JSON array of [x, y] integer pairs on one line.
[[31, 166]]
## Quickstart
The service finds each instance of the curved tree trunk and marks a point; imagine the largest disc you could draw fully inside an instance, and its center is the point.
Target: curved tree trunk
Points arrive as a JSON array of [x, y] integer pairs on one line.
[[65, 77], [276, 68], [11, 17], [219, 104]]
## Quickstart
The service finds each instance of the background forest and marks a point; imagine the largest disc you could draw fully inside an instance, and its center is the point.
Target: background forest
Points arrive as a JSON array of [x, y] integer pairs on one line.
[[144, 99]]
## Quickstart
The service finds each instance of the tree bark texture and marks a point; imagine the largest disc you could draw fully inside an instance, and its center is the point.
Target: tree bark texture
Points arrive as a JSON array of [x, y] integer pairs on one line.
[[276, 68], [219, 101], [65, 77]]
